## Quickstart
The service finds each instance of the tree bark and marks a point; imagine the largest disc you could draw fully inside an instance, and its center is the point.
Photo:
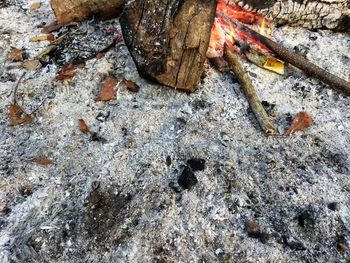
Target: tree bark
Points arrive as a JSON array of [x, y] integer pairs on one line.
[[67, 11], [169, 39]]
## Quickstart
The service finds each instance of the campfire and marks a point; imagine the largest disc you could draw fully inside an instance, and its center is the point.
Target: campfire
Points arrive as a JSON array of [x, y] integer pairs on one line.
[[171, 40]]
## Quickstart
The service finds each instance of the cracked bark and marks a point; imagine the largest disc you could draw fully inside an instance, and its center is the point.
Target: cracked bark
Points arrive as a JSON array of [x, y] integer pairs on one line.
[[169, 39]]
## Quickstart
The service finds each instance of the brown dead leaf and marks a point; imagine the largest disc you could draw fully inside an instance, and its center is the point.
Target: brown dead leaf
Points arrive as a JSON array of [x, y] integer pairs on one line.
[[43, 161], [17, 116], [107, 91], [31, 64], [16, 55], [35, 6], [83, 127], [301, 121], [132, 86], [52, 27], [67, 72]]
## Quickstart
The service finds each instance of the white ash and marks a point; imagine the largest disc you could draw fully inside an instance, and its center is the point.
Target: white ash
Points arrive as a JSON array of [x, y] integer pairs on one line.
[[133, 215]]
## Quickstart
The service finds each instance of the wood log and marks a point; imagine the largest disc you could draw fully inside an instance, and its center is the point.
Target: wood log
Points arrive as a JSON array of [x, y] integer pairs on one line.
[[67, 11], [315, 14], [169, 39]]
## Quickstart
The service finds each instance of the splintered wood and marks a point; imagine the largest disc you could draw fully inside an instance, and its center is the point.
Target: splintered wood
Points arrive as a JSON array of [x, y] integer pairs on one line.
[[168, 40]]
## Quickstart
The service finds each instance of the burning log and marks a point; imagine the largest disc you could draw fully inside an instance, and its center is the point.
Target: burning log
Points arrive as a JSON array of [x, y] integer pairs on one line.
[[250, 92], [169, 39], [67, 11], [315, 14], [299, 61]]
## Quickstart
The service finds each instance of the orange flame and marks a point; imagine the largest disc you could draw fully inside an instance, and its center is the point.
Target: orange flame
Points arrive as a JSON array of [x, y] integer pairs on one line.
[[224, 32]]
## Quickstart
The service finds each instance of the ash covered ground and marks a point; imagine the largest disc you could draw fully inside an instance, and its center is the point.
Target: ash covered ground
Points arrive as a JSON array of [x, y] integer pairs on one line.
[[116, 198]]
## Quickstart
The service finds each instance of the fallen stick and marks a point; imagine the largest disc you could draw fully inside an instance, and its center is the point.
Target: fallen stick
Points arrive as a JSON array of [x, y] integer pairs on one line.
[[67, 11], [249, 91], [298, 61]]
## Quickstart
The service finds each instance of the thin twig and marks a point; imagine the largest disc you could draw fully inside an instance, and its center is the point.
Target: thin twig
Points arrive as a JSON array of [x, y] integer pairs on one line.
[[298, 61], [250, 92], [16, 88]]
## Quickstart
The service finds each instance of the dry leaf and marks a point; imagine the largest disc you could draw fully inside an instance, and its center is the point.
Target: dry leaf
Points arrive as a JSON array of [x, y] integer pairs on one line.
[[43, 161], [31, 64], [132, 86], [107, 91], [99, 56], [66, 73], [48, 37], [52, 27], [35, 6], [83, 127], [17, 115], [301, 121], [16, 55]]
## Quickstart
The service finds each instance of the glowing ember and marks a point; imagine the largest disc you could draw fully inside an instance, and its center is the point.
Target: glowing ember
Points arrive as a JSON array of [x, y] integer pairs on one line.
[[223, 31], [226, 31]]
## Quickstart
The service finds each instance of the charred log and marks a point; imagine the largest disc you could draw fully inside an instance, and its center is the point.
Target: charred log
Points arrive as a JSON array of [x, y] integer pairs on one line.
[[312, 14], [169, 39], [67, 11]]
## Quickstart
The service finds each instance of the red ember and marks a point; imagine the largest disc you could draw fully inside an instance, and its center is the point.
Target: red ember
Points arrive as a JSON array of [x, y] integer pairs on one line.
[[224, 31]]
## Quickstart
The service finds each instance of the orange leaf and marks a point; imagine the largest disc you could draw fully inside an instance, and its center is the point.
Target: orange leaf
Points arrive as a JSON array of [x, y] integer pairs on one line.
[[107, 91], [301, 121], [132, 86], [66, 73], [17, 115], [83, 127], [16, 55], [43, 161]]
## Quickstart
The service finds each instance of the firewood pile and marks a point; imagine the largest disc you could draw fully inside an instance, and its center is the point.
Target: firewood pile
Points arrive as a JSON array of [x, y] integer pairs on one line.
[[172, 51]]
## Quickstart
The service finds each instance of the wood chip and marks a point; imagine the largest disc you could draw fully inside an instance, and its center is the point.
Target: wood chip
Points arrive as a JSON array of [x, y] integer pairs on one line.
[[35, 6], [48, 37], [83, 127], [132, 86], [43, 161], [107, 91], [31, 64], [66, 73], [16, 55], [301, 121], [17, 116]]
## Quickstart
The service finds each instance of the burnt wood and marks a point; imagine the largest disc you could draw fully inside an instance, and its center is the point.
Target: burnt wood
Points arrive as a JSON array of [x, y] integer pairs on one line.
[[169, 39], [311, 14]]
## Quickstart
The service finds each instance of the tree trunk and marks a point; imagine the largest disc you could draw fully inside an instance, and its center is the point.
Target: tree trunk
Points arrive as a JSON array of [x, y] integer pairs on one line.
[[315, 14], [67, 11], [169, 39]]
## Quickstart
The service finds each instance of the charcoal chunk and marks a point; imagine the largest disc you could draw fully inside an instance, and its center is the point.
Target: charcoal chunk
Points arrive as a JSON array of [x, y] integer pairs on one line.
[[333, 206], [187, 179], [306, 219], [196, 164]]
